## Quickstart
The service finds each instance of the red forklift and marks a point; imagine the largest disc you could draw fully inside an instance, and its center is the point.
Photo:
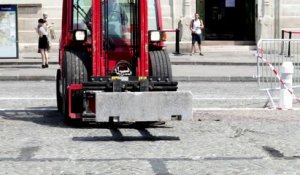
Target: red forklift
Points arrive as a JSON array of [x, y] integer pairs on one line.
[[113, 65]]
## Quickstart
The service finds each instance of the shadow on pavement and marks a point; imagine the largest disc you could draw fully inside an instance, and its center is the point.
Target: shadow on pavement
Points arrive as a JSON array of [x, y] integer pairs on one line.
[[274, 153], [118, 137], [49, 116]]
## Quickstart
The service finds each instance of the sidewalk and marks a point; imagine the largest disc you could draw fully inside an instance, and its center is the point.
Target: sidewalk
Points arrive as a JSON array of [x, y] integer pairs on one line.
[[29, 59], [213, 66], [246, 58]]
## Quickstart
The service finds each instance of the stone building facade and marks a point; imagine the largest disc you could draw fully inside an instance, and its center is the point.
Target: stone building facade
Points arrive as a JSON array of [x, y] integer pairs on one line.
[[225, 20]]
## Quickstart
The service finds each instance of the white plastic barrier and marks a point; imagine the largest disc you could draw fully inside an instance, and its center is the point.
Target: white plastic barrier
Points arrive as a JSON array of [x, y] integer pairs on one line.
[[271, 54], [285, 97]]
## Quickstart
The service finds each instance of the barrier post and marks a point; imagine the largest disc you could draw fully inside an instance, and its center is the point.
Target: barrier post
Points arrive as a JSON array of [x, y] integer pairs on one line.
[[177, 44], [289, 47], [282, 43], [286, 97]]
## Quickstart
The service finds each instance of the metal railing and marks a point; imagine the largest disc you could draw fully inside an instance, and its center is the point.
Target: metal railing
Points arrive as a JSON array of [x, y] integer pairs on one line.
[[271, 53], [290, 37]]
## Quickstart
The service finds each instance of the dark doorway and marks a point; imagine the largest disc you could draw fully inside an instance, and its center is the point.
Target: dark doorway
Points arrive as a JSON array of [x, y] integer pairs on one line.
[[229, 20]]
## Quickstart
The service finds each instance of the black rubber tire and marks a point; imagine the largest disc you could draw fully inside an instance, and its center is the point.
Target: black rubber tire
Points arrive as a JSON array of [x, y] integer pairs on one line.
[[75, 67], [59, 98], [153, 70], [160, 64], [164, 65], [76, 64], [167, 63]]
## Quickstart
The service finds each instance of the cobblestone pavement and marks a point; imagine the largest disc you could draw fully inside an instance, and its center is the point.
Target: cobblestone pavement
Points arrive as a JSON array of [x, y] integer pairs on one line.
[[216, 142]]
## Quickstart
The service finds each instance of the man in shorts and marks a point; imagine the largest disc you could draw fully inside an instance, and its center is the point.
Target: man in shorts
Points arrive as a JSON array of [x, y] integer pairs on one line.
[[196, 27]]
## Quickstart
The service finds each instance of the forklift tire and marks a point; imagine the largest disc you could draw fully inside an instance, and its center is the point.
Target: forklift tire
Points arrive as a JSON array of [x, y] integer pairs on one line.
[[75, 72], [160, 64], [76, 66], [59, 99]]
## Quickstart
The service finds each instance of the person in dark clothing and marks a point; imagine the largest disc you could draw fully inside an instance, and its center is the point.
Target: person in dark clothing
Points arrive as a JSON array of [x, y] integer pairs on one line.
[[43, 44]]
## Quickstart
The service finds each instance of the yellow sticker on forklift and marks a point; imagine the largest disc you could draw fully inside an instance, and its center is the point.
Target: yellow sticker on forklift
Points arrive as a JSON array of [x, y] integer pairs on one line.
[[142, 78], [115, 78]]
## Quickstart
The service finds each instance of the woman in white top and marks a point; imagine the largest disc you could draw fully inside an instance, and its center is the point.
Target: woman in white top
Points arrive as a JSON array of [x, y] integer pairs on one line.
[[196, 27], [43, 42]]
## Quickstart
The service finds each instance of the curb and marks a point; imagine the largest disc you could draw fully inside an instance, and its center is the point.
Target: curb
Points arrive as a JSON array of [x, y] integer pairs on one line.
[[25, 63], [179, 78], [212, 63], [214, 79], [172, 62], [27, 78]]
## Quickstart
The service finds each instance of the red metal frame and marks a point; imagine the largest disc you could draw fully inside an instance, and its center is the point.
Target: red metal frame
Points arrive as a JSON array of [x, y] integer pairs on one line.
[[70, 89], [143, 65], [66, 28], [159, 15], [159, 19], [98, 59], [102, 61], [159, 22]]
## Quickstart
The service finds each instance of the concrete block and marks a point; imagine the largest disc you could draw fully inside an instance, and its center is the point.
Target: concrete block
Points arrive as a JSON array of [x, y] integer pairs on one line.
[[143, 106]]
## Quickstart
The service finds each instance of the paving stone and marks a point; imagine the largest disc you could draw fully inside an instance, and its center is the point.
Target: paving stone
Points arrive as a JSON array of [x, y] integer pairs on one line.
[[232, 142]]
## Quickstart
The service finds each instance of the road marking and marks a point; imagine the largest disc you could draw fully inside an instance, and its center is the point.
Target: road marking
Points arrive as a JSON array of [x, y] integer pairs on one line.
[[194, 98], [28, 109], [194, 109], [29, 98], [238, 109], [224, 98]]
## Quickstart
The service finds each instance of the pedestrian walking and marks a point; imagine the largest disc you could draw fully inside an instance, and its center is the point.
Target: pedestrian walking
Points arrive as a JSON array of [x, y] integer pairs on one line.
[[43, 44], [196, 27]]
